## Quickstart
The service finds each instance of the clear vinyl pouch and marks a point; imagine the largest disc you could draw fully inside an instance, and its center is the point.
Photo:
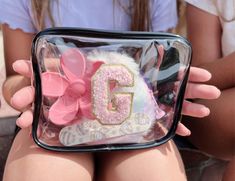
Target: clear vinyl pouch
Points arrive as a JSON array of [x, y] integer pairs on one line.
[[101, 90]]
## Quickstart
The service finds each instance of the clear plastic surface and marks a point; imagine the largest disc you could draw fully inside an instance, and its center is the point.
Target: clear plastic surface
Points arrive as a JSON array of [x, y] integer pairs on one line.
[[99, 92]]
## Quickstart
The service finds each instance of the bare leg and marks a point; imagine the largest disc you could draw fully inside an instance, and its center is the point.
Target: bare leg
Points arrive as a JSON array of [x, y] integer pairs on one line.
[[215, 134], [159, 163], [27, 162]]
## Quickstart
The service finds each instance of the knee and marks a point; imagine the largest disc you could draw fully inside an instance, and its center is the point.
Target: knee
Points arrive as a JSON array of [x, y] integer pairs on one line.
[[41, 165], [147, 164], [28, 162]]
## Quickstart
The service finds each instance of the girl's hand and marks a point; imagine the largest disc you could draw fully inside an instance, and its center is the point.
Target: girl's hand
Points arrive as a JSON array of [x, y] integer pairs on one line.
[[23, 98], [197, 90]]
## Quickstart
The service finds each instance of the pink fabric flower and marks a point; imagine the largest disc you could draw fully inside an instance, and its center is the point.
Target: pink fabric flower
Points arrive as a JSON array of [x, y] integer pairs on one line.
[[73, 89]]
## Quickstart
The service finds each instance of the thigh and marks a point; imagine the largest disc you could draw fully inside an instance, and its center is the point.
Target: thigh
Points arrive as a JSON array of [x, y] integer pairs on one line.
[[28, 162], [215, 133], [159, 163]]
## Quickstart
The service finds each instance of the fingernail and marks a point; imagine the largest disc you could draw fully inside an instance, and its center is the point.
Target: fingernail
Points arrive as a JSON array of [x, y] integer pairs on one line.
[[18, 120], [218, 93], [12, 102], [15, 65], [189, 133], [207, 111]]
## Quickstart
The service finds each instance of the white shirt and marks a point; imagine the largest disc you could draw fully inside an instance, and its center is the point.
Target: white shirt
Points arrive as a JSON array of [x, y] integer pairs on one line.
[[98, 14], [225, 10]]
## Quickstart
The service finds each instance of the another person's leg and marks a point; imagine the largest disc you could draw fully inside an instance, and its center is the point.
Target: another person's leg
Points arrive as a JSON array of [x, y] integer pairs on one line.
[[28, 162], [159, 163], [215, 134]]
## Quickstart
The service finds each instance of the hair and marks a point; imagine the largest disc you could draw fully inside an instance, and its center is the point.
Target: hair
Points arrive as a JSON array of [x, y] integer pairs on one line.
[[41, 9], [140, 15], [138, 11]]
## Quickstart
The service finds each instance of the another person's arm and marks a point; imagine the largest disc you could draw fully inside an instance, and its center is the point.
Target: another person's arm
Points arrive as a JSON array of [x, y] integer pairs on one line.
[[204, 32]]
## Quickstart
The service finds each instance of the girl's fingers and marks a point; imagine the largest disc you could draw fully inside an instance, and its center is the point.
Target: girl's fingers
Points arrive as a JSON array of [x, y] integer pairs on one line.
[[201, 91], [23, 98], [195, 74], [25, 120], [23, 67], [199, 75], [194, 109], [182, 130]]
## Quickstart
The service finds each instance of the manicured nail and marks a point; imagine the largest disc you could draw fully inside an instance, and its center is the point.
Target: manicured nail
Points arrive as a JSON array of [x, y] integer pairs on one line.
[[207, 111], [15, 65], [188, 133]]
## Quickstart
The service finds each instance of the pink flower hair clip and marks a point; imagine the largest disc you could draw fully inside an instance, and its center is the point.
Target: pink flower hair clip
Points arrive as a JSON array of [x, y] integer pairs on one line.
[[72, 87]]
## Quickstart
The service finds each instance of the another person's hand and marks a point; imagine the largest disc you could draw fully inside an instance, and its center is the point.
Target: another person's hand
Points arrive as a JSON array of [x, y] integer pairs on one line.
[[23, 98]]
